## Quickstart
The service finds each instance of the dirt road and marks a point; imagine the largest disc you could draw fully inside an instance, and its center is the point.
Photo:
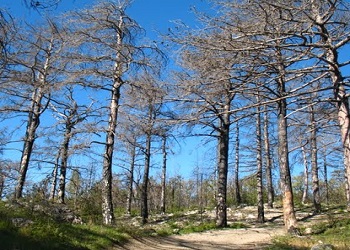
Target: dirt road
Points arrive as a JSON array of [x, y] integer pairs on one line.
[[243, 239]]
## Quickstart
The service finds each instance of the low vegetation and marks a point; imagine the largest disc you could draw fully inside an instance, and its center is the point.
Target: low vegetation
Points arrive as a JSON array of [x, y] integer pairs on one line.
[[332, 227], [21, 227]]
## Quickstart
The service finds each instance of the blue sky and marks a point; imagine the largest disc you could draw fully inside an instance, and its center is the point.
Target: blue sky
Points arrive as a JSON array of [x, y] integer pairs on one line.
[[155, 16], [152, 15]]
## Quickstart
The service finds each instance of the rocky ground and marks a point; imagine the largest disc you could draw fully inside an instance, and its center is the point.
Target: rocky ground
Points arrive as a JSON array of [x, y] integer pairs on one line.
[[255, 236], [248, 239]]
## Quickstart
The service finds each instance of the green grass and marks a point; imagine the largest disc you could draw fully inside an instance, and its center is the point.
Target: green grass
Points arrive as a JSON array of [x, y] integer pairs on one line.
[[192, 223], [337, 233], [334, 231], [197, 228], [42, 232]]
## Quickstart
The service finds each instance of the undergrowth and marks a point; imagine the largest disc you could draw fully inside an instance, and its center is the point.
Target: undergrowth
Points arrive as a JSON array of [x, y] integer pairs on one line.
[[333, 230], [22, 229]]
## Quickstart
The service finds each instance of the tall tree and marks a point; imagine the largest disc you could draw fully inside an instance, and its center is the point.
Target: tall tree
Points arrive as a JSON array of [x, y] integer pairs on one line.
[[305, 175], [236, 169], [69, 114], [132, 152], [314, 165], [273, 57], [35, 60], [147, 166], [213, 79], [146, 106], [268, 161], [331, 21], [104, 52], [163, 178], [7, 34], [54, 177], [259, 163]]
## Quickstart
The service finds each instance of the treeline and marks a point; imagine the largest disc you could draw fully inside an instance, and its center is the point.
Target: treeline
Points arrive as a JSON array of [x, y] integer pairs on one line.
[[267, 83]]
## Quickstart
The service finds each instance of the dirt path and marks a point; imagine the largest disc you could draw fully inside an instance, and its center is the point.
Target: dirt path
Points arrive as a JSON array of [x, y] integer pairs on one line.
[[244, 239]]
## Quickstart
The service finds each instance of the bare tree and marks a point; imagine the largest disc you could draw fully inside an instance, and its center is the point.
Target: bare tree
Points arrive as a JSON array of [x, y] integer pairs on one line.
[[35, 56], [305, 175], [211, 108], [146, 105], [132, 153], [274, 55], [236, 170], [259, 163], [164, 169], [331, 20], [268, 161], [104, 38], [69, 114], [54, 177], [314, 165], [7, 35]]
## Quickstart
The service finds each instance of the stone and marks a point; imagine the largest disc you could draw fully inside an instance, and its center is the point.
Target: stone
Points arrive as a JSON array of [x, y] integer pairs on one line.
[[21, 222], [322, 247]]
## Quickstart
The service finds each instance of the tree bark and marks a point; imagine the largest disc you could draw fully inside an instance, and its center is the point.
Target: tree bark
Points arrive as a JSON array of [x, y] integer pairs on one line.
[[107, 201], [131, 178], [268, 161], [29, 139], [289, 218], [33, 122], [314, 166], [64, 163], [326, 176], [2, 184], [236, 170], [334, 68], [306, 176], [164, 166], [54, 177], [259, 171], [224, 135], [144, 191], [147, 151]]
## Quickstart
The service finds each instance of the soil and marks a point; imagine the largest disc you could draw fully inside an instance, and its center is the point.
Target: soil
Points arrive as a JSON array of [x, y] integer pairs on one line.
[[247, 239], [256, 236]]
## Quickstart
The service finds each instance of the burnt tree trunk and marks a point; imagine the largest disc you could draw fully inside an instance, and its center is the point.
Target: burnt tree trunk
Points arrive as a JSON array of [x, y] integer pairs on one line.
[[164, 166], [238, 197], [224, 135], [330, 56], [54, 177], [259, 164], [145, 181], [29, 139], [131, 178], [268, 161], [64, 162], [107, 201], [290, 221], [314, 165], [326, 176], [306, 176]]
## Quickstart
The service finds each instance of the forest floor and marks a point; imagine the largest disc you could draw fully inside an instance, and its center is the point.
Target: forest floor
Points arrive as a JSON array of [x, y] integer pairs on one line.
[[254, 236], [49, 227], [245, 239]]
